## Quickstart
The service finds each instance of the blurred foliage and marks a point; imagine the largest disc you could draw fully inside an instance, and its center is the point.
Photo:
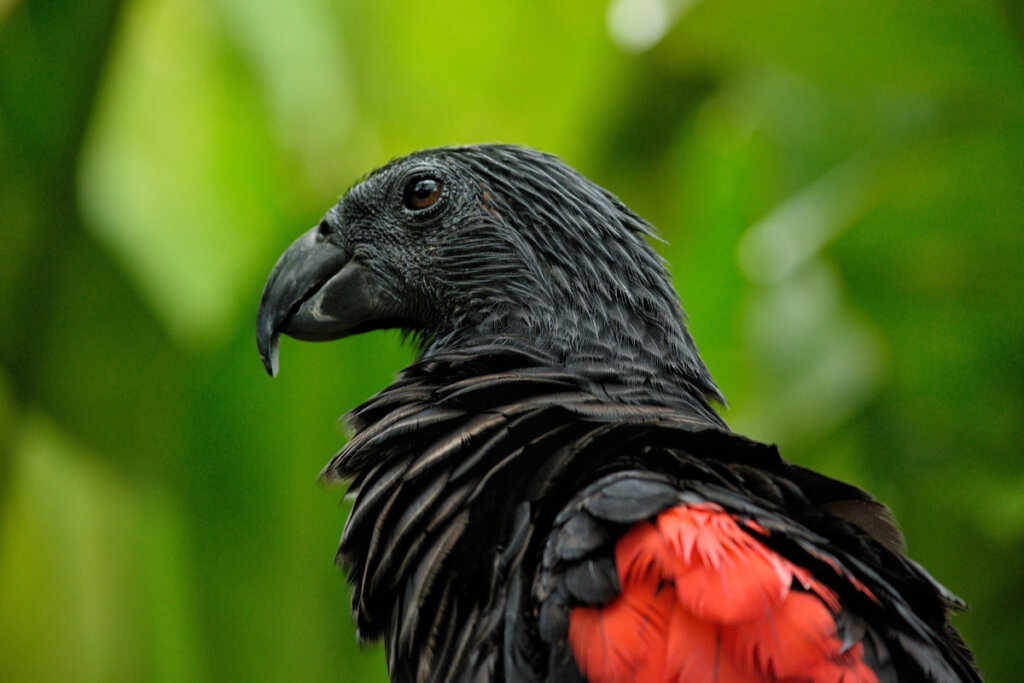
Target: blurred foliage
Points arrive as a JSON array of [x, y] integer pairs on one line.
[[841, 187]]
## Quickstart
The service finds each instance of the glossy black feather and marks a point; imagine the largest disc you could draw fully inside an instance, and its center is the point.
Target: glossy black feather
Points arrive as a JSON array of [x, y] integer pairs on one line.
[[517, 521]]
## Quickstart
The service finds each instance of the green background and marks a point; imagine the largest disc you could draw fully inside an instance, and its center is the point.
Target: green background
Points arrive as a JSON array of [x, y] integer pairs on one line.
[[841, 188]]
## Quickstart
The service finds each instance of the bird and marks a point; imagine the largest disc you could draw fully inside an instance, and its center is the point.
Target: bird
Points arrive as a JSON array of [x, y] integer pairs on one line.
[[547, 492]]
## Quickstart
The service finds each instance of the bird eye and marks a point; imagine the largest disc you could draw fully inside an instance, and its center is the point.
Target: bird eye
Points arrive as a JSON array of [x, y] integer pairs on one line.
[[422, 193]]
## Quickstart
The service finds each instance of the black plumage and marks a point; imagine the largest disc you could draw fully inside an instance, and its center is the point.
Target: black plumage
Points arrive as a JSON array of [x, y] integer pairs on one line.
[[558, 399]]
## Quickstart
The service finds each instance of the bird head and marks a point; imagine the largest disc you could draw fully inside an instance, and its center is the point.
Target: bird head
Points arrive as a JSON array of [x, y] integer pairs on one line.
[[478, 243]]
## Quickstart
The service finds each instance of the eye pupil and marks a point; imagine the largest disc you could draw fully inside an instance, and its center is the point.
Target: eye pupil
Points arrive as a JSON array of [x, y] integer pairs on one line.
[[422, 193]]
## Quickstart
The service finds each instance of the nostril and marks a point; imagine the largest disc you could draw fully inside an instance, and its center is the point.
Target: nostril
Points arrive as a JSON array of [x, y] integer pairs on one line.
[[324, 229]]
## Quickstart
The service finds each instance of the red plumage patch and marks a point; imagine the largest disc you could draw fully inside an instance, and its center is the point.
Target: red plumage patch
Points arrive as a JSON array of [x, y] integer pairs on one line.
[[704, 600]]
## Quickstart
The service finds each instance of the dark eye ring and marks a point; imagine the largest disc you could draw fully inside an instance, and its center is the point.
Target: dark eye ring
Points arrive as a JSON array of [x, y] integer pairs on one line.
[[422, 193]]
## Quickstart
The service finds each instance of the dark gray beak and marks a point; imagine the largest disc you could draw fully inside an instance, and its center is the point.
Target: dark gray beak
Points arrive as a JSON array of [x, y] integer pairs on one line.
[[316, 292]]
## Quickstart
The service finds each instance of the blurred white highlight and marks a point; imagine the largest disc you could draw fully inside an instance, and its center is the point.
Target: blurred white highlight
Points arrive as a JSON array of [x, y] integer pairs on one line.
[[637, 25]]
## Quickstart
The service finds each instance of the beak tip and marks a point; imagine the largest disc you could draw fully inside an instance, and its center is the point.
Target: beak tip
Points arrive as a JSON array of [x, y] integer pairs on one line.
[[268, 352]]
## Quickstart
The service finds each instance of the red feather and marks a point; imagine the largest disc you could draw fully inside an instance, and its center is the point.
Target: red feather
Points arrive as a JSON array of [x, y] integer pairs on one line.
[[704, 600]]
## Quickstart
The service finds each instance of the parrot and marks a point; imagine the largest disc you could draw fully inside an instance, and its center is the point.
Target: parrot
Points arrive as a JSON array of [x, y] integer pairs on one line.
[[547, 492]]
